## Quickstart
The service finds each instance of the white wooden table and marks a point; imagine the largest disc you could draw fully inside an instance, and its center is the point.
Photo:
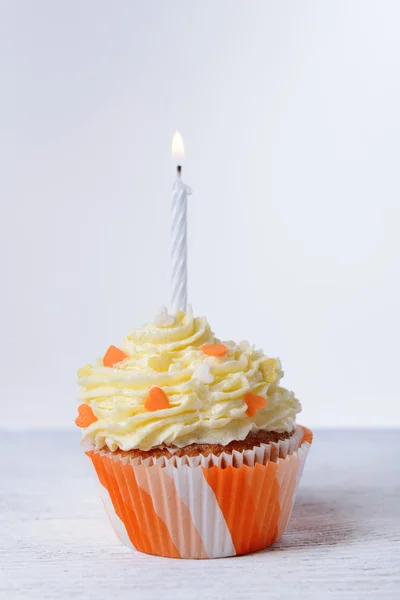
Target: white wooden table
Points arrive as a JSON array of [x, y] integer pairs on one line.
[[342, 542]]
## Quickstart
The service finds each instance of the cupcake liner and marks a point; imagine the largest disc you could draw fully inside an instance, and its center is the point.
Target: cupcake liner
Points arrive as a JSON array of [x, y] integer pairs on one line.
[[194, 508]]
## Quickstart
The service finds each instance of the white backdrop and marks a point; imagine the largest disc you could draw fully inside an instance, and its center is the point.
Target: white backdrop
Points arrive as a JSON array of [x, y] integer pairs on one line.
[[290, 115]]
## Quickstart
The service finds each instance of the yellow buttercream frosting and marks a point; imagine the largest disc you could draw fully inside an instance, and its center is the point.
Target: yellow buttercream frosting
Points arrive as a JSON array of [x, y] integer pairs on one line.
[[206, 393]]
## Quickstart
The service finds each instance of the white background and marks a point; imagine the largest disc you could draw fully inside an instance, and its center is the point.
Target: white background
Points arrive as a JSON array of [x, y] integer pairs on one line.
[[290, 115]]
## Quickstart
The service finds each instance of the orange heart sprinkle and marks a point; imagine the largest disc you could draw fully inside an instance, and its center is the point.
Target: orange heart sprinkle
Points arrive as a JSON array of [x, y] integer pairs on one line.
[[214, 349], [113, 356], [254, 403], [156, 400], [85, 416]]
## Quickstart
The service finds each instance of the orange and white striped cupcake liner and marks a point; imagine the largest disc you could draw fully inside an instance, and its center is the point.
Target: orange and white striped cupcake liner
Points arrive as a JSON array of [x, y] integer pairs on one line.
[[184, 509]]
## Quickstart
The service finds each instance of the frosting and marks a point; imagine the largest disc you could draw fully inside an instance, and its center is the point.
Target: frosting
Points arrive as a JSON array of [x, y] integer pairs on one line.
[[206, 393]]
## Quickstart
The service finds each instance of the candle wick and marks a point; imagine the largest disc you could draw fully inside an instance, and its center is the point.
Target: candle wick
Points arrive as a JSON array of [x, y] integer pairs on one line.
[[179, 170]]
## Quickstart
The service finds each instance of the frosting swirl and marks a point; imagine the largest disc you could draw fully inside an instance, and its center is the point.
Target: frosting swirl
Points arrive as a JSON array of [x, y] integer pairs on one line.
[[206, 393]]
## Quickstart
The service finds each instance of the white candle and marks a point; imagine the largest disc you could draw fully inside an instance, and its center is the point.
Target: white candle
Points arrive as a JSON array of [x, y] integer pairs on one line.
[[180, 192]]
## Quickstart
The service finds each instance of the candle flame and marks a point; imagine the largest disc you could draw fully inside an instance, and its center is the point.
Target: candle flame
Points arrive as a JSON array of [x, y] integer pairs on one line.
[[178, 150]]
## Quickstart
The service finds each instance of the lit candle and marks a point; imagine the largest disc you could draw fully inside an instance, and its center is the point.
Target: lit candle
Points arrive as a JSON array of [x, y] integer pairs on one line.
[[180, 192]]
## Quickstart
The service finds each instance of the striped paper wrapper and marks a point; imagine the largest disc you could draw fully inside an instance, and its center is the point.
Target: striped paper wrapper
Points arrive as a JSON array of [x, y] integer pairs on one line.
[[203, 508]]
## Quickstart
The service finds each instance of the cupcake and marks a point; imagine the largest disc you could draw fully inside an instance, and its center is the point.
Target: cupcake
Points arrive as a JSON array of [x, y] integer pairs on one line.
[[194, 440]]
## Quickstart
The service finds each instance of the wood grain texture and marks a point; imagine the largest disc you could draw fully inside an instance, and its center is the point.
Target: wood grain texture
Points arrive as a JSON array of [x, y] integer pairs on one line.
[[343, 539]]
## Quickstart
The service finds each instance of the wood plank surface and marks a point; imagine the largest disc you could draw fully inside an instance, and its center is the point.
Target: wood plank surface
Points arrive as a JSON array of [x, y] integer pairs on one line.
[[343, 539]]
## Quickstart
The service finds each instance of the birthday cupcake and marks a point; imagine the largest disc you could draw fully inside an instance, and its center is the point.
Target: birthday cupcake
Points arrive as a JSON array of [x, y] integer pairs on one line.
[[194, 440]]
